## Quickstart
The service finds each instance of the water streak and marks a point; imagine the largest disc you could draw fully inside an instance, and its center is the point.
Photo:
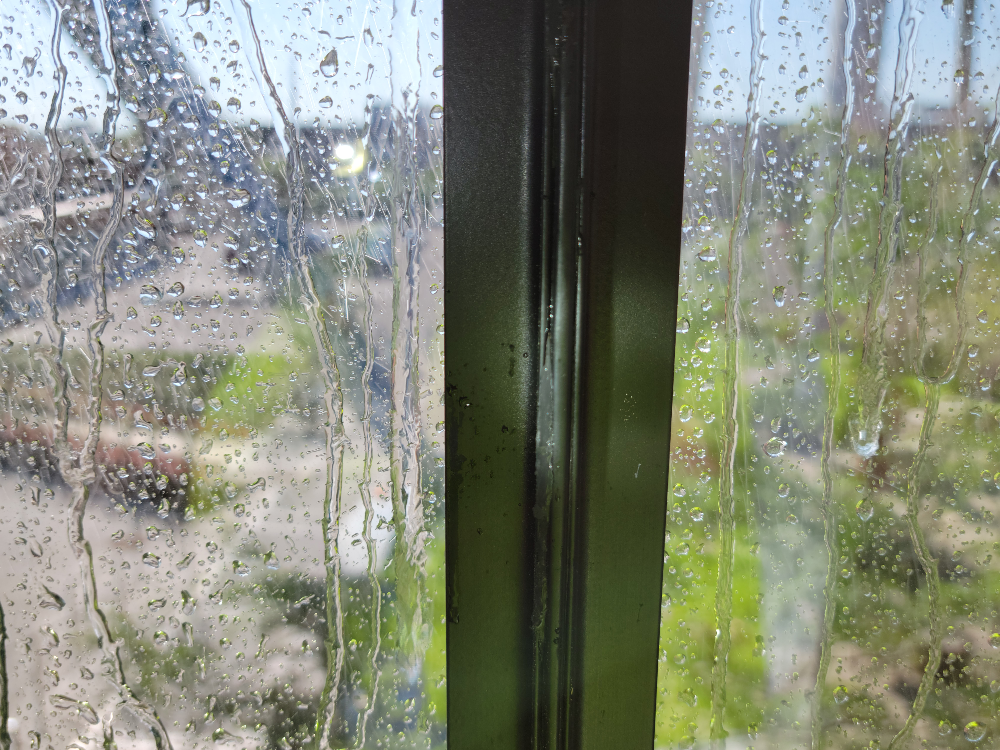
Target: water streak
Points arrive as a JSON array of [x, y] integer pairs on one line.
[[5, 741], [833, 393], [333, 395], [874, 378], [365, 487], [404, 415], [727, 479], [932, 394]]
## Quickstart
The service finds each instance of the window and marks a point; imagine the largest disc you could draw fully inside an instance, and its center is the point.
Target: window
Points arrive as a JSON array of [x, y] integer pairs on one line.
[[714, 412], [832, 458], [221, 419]]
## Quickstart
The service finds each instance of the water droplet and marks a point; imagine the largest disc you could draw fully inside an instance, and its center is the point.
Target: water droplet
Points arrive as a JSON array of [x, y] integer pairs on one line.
[[150, 293], [197, 8], [863, 446], [176, 289], [679, 490], [973, 351], [865, 509], [233, 105], [234, 46], [29, 63], [438, 71], [683, 325], [82, 708], [152, 533], [50, 599], [215, 83], [200, 42], [800, 94], [703, 344], [697, 514], [840, 695], [783, 490], [215, 403], [779, 296], [145, 228], [862, 144], [995, 640], [685, 413], [329, 66], [813, 355], [156, 118], [437, 112], [774, 447], [146, 451], [179, 377], [238, 197], [155, 604], [974, 731], [983, 317], [708, 254], [200, 237], [326, 102], [240, 569], [271, 560], [35, 548], [151, 560]]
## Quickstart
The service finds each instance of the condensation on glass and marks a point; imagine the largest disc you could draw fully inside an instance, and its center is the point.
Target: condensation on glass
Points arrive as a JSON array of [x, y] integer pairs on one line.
[[221, 511], [830, 571]]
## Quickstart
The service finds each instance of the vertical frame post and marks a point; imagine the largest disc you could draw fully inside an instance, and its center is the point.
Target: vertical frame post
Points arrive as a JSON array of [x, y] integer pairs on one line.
[[565, 131]]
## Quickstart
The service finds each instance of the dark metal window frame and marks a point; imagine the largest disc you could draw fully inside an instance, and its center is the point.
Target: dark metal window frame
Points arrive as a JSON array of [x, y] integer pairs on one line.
[[565, 126]]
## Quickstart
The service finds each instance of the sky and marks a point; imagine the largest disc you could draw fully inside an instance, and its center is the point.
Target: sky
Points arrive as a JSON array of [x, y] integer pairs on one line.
[[810, 34], [384, 55]]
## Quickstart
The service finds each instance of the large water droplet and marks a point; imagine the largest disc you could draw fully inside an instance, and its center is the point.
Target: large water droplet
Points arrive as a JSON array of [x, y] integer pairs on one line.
[[81, 708], [774, 447], [779, 296], [200, 42], [974, 731], [238, 197], [329, 65], [865, 509], [197, 8], [865, 446], [437, 112], [150, 293], [233, 105]]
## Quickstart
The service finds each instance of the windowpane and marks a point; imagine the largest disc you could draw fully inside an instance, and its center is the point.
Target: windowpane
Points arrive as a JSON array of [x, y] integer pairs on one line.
[[220, 372], [829, 564]]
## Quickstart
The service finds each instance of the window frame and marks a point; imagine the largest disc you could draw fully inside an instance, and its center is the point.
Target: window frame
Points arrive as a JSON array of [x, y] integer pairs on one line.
[[563, 197]]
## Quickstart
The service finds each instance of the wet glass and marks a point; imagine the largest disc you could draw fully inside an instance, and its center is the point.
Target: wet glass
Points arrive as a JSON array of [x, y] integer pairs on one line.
[[829, 570], [221, 498]]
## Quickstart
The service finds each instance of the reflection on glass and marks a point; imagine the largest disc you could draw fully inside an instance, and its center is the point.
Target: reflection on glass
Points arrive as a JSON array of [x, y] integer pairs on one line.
[[829, 571], [220, 370]]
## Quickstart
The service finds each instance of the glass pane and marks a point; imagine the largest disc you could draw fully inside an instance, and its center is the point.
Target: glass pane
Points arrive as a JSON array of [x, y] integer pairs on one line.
[[220, 375], [830, 571]]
